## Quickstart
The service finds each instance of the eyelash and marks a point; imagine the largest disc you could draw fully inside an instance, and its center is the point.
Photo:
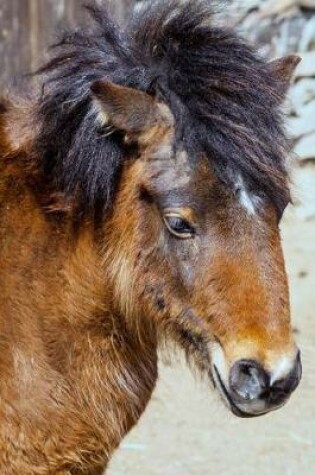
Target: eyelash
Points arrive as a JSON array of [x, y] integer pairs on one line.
[[179, 226]]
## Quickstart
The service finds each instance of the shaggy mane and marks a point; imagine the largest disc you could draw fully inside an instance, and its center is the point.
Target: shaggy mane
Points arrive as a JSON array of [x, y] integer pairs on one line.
[[225, 99]]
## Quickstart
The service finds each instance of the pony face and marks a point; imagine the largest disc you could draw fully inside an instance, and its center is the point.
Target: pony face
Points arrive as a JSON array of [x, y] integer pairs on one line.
[[199, 259]]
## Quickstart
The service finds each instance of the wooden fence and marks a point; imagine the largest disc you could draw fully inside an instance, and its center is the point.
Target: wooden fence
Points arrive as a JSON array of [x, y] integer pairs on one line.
[[27, 27]]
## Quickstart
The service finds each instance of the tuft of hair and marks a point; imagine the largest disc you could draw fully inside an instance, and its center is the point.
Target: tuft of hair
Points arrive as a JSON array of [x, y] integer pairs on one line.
[[225, 99]]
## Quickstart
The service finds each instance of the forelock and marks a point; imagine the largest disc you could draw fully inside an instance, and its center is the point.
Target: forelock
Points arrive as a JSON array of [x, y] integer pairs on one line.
[[224, 98]]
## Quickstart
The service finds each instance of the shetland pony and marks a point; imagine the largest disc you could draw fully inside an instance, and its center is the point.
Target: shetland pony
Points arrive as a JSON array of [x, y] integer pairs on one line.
[[141, 191]]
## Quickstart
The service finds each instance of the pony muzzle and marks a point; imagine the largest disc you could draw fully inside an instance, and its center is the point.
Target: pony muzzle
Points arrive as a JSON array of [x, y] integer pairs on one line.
[[251, 390]]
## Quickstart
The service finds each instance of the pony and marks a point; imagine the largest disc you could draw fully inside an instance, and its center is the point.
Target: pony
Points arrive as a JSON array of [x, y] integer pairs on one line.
[[142, 182]]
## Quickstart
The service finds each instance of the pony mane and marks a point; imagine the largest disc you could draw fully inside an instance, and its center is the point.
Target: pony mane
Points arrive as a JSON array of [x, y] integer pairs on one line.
[[224, 97]]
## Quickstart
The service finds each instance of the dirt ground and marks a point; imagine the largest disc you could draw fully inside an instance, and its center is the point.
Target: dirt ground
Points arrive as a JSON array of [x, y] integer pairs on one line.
[[187, 431]]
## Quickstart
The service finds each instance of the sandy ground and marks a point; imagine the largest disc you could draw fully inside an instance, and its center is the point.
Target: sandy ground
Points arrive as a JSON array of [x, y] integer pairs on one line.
[[187, 431]]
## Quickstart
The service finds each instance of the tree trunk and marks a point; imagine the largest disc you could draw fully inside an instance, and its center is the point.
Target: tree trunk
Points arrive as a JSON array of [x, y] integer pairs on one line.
[[28, 27]]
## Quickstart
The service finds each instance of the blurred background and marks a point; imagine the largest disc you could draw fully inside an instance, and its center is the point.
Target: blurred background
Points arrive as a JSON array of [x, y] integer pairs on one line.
[[186, 430]]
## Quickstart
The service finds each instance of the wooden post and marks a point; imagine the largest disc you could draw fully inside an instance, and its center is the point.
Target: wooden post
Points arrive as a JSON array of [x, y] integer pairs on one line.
[[28, 27]]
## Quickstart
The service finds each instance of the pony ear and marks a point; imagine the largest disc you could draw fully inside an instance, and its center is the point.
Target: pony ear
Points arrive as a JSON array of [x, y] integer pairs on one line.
[[283, 69], [129, 110]]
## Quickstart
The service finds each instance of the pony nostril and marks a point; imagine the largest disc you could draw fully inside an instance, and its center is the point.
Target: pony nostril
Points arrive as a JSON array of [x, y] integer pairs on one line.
[[287, 385], [248, 380]]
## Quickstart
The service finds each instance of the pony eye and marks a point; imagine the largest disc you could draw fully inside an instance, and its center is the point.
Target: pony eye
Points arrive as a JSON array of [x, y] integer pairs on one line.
[[179, 226]]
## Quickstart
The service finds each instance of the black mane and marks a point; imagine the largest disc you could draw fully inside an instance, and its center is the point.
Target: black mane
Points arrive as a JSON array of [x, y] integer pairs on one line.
[[225, 100]]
